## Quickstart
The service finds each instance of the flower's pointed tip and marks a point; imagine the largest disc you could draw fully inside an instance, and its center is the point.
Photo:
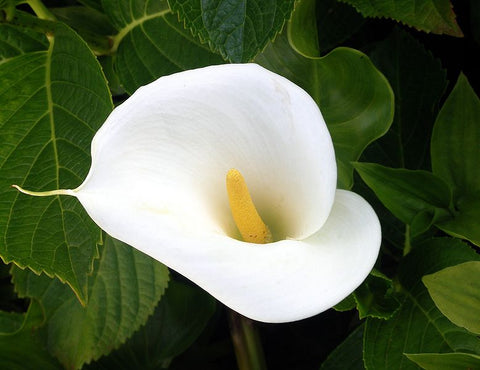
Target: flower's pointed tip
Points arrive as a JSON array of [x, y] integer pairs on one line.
[[44, 193]]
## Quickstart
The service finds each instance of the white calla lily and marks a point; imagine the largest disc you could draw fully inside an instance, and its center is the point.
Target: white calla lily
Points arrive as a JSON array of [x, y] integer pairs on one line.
[[157, 182]]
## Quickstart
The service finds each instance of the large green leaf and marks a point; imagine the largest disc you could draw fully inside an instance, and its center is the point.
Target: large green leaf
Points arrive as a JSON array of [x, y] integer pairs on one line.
[[124, 289], [455, 140], [152, 42], [348, 355], [354, 97], [237, 29], [434, 16], [456, 158], [445, 361], [180, 317], [456, 292], [52, 103], [418, 81], [19, 348], [419, 327], [15, 41], [418, 198]]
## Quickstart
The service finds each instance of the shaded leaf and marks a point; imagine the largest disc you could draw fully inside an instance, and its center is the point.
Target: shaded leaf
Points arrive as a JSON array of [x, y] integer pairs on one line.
[[456, 292], [349, 354], [19, 348], [418, 81], [434, 16], [346, 304], [124, 289], [52, 103], [180, 317], [15, 41], [336, 22], [354, 97], [376, 297], [152, 42], [419, 327], [418, 198], [445, 361], [237, 29]]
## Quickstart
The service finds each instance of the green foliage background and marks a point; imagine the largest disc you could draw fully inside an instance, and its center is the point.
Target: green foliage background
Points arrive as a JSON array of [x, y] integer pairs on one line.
[[397, 83]]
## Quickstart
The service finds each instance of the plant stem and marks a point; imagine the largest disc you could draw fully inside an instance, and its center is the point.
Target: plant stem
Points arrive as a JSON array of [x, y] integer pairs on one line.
[[407, 246], [41, 10], [246, 342]]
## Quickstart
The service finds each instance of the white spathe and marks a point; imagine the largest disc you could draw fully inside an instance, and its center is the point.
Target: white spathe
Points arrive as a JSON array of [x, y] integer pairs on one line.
[[157, 182]]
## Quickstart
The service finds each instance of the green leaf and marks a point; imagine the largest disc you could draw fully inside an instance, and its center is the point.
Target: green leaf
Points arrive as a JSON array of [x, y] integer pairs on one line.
[[52, 103], [349, 354], [237, 29], [376, 297], [465, 222], [416, 197], [346, 304], [455, 140], [445, 361], [92, 25], [15, 41], [152, 42], [456, 292], [19, 349], [354, 97], [180, 317], [418, 81], [124, 289], [419, 327], [434, 16], [302, 29], [336, 22]]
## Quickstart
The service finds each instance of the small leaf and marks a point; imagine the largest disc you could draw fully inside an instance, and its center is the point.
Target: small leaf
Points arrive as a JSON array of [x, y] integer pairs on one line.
[[445, 361], [124, 289], [376, 297], [349, 354], [19, 348], [180, 317], [354, 97], [419, 327], [52, 103], [434, 16], [456, 292], [408, 193], [455, 141], [237, 29], [152, 42], [347, 304], [465, 223]]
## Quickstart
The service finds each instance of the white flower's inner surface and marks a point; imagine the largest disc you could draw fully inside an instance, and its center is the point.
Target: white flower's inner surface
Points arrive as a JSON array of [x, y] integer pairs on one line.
[[248, 221]]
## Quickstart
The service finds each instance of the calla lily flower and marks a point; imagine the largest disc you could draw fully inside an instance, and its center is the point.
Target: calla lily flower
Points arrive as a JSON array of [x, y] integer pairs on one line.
[[157, 182]]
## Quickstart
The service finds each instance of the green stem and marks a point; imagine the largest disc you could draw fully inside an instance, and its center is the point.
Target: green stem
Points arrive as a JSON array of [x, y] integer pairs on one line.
[[41, 10], [246, 342], [407, 246]]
